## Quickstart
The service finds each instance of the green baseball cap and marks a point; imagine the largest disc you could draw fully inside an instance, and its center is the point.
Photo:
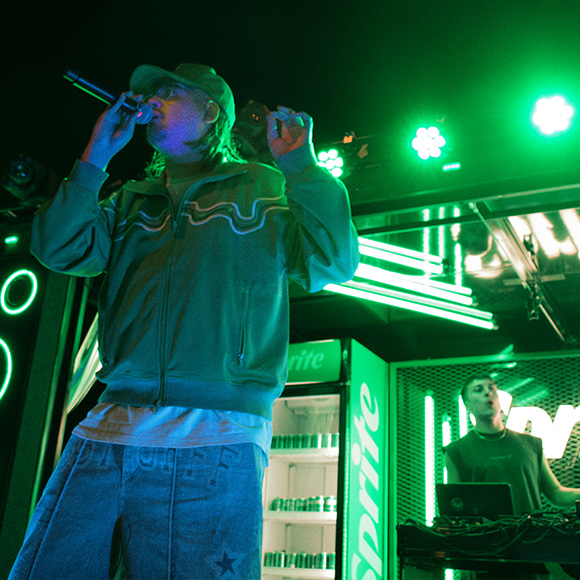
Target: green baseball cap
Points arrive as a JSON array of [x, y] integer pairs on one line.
[[146, 78]]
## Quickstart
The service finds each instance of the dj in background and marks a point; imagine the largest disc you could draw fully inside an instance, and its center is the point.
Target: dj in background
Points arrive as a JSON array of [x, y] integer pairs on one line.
[[491, 452]]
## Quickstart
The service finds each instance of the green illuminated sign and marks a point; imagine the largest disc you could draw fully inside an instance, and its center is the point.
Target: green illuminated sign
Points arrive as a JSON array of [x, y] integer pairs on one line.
[[367, 487], [314, 362]]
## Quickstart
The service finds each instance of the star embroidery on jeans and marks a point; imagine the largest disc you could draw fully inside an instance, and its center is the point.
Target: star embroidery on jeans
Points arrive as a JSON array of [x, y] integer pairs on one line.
[[226, 564]]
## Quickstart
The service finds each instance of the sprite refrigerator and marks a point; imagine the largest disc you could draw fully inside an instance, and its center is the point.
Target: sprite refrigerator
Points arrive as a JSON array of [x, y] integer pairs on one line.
[[325, 488]]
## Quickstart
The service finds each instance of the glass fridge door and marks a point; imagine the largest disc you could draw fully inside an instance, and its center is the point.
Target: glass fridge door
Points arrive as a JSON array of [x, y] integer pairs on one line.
[[301, 488]]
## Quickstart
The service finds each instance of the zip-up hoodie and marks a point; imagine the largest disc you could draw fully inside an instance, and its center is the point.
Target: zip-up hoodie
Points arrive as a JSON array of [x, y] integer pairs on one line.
[[193, 308]]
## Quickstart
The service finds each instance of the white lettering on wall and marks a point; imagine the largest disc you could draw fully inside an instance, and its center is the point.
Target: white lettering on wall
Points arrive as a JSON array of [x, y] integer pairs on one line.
[[554, 434]]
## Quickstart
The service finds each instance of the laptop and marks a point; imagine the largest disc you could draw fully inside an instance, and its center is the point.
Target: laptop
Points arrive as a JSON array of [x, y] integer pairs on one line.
[[475, 500]]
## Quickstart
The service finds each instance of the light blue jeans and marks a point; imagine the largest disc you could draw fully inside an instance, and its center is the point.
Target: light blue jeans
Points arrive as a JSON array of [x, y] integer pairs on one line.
[[116, 511]]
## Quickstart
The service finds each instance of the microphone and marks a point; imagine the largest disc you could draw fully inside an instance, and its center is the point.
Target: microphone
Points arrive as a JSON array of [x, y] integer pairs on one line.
[[129, 106]]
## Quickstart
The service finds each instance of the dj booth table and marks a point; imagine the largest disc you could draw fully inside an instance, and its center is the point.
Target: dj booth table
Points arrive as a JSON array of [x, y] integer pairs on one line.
[[476, 544]]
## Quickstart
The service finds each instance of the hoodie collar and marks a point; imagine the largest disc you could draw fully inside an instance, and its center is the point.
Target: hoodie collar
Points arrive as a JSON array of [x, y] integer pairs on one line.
[[155, 186]]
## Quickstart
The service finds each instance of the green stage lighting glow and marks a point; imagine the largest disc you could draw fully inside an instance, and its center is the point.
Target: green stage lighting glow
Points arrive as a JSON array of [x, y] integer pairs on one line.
[[332, 161], [552, 115], [11, 240], [428, 142]]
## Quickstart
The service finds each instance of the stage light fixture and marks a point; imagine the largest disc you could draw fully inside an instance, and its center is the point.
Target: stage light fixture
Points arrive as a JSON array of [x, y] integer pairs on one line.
[[552, 115], [29, 181], [332, 161], [428, 142]]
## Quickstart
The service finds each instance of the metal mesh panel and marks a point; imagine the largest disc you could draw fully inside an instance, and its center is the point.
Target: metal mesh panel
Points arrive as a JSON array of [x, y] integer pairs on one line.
[[543, 381]]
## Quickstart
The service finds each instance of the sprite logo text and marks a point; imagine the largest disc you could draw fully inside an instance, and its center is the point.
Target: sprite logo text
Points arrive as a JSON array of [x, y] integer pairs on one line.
[[366, 490]]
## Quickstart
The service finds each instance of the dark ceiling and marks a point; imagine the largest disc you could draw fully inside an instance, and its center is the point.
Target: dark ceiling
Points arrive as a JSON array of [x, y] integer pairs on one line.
[[377, 70]]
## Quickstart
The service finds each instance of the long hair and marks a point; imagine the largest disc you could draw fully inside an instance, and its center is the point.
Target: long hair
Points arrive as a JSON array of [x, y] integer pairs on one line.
[[217, 144]]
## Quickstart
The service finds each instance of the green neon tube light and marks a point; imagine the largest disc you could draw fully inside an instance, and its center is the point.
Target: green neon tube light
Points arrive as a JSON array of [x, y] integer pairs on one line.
[[572, 222], [428, 267], [441, 233], [447, 306], [462, 418], [6, 286], [8, 374], [412, 283], [419, 260], [458, 259], [429, 461], [456, 288], [446, 439], [10, 240], [409, 305], [425, 256], [446, 431]]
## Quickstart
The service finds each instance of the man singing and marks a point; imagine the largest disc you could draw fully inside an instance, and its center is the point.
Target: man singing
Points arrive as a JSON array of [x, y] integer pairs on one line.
[[163, 479]]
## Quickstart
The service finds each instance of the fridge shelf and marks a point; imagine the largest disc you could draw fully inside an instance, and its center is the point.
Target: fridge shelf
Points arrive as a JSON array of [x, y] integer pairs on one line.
[[306, 573], [292, 517], [324, 455]]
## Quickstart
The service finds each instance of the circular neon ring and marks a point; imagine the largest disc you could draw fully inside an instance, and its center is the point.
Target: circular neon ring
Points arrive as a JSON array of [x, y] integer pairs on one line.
[[4, 346], [11, 278]]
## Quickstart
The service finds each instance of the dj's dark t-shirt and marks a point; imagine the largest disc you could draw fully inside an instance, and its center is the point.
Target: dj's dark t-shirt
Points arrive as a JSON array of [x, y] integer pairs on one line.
[[515, 459]]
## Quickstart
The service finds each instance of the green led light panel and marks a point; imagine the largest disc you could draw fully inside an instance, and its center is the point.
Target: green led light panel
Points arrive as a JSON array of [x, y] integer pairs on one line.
[[332, 161], [428, 142]]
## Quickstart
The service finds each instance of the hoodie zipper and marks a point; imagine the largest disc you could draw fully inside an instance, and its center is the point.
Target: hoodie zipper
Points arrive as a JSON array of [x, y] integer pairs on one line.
[[242, 347], [160, 400]]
